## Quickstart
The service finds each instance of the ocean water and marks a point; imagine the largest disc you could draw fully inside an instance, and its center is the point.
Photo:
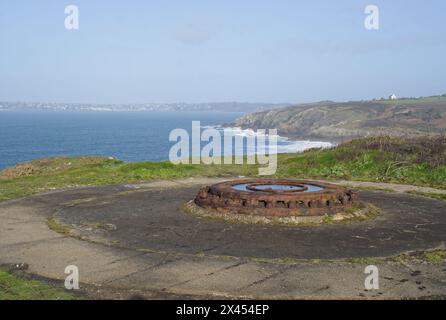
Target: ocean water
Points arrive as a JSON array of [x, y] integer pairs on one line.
[[243, 187], [129, 136]]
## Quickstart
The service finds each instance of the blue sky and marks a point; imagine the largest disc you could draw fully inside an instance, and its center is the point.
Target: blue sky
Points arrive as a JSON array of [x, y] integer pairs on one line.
[[200, 51]]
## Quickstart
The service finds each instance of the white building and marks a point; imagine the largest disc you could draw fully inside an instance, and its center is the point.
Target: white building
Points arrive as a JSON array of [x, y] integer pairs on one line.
[[393, 97]]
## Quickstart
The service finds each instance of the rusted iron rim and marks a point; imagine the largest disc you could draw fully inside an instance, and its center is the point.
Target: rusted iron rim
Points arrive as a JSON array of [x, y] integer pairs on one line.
[[226, 188], [255, 201]]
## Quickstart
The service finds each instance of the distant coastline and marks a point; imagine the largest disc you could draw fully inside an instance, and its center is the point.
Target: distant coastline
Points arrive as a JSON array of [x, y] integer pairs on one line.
[[245, 107]]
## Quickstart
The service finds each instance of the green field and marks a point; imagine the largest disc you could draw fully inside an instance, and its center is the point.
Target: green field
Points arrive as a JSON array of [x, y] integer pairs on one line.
[[414, 101]]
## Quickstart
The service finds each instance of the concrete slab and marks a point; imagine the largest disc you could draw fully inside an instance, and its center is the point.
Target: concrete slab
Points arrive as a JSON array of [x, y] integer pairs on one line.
[[164, 250], [173, 272], [231, 279]]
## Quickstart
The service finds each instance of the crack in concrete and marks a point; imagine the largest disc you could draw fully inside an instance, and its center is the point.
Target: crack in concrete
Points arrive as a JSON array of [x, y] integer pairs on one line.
[[35, 242], [155, 266], [275, 274]]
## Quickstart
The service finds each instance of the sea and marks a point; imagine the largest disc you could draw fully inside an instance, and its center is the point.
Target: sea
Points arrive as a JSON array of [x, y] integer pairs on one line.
[[129, 136]]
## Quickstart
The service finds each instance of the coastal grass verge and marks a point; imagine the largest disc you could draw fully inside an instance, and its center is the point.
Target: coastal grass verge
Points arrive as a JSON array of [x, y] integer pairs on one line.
[[415, 161]]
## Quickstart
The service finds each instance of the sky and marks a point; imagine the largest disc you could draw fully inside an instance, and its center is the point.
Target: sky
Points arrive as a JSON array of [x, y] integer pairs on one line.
[[223, 50]]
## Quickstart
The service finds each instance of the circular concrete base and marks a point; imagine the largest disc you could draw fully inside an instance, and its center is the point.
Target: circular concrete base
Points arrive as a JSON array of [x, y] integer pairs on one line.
[[152, 219], [152, 246]]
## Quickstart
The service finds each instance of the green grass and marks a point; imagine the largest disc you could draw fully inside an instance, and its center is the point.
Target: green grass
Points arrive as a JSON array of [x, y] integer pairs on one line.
[[436, 256], [418, 162], [56, 226], [369, 261], [382, 159], [18, 288], [56, 173], [429, 256]]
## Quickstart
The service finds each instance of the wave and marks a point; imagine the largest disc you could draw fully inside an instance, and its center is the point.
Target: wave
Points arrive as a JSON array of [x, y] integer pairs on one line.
[[284, 144]]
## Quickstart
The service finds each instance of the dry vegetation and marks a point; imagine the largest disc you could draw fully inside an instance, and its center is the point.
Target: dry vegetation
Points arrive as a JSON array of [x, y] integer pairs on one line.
[[429, 150]]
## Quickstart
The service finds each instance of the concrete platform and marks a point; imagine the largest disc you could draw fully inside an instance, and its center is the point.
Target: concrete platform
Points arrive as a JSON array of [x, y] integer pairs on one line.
[[137, 237]]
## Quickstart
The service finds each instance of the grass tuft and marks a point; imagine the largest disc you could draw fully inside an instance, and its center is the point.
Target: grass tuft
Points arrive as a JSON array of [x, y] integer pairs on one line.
[[58, 227], [20, 288]]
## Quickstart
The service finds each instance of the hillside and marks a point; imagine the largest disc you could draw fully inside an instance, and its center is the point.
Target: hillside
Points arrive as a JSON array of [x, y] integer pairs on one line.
[[341, 121]]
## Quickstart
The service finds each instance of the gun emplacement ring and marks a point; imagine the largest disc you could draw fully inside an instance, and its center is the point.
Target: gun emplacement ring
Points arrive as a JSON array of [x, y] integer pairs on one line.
[[276, 198]]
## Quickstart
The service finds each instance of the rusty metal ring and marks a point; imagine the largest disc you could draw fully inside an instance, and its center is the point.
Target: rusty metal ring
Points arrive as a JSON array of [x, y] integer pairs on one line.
[[327, 200]]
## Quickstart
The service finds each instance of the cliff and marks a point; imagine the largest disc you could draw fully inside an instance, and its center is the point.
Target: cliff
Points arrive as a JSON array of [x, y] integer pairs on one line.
[[333, 121]]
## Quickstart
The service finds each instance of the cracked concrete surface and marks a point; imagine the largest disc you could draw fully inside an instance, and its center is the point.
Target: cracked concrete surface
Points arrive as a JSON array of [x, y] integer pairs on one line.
[[155, 247]]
